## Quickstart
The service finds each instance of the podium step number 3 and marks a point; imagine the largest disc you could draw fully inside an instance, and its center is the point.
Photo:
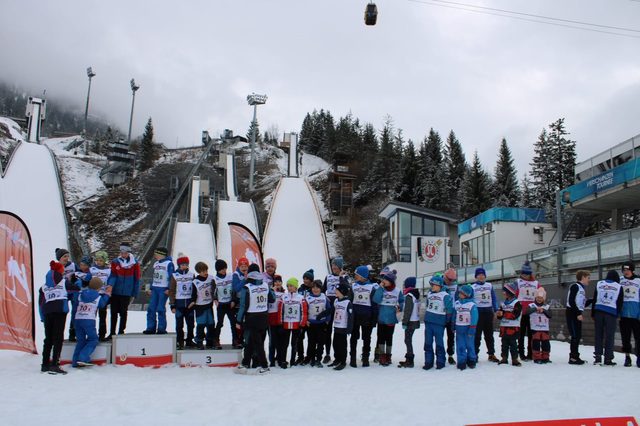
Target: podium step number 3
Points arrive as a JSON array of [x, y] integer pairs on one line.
[[144, 350]]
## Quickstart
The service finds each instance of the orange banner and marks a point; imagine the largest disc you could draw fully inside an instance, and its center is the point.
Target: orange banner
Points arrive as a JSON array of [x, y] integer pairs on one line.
[[602, 421], [244, 244], [17, 327]]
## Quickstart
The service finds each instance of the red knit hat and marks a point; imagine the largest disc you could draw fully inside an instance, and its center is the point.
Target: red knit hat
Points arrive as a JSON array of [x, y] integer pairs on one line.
[[183, 260], [243, 261], [57, 267]]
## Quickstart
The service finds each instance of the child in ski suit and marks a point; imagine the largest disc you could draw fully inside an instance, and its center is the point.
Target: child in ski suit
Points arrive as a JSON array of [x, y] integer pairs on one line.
[[102, 270], [89, 301], [163, 269], [275, 322], [438, 314], [304, 289], [81, 276], [319, 311], [539, 314], [332, 281], [509, 316], [465, 323], [485, 299], [410, 319], [180, 292], [224, 299], [342, 326], [527, 286], [202, 290], [390, 300], [364, 312], [294, 315]]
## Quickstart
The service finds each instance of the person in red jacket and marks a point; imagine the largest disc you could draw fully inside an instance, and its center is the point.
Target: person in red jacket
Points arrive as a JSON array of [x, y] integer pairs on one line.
[[294, 316], [275, 320]]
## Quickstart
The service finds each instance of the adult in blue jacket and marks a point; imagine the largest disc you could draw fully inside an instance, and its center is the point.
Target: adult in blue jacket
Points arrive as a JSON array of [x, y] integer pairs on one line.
[[125, 280]]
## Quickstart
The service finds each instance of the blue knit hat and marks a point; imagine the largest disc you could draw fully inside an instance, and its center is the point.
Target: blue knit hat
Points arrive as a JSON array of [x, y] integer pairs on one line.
[[308, 274], [87, 260], [437, 280], [410, 282], [510, 288], [363, 271], [480, 271], [467, 290], [526, 268], [338, 261]]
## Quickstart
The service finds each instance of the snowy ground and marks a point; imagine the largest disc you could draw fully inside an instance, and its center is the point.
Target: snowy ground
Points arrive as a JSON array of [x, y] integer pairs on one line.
[[311, 396]]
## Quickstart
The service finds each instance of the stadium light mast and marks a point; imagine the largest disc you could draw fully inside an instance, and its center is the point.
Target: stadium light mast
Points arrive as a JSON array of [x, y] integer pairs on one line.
[[90, 74], [134, 89], [254, 100]]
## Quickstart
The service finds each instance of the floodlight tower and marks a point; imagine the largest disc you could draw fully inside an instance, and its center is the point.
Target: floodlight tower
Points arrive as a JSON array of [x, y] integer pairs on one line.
[[134, 89], [254, 100], [90, 74]]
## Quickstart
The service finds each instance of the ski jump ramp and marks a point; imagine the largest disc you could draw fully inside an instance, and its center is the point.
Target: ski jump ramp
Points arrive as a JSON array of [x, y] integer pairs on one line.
[[194, 239], [31, 189], [294, 234], [232, 210]]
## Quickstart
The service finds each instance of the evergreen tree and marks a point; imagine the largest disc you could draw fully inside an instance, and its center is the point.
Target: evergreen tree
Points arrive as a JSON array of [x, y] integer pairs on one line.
[[565, 154], [431, 176], [149, 151], [328, 143], [455, 166], [506, 192], [306, 131], [476, 190], [526, 193], [409, 167], [250, 132]]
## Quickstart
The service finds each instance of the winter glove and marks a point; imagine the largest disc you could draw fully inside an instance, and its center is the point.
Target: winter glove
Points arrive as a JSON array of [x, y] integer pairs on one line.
[[404, 326]]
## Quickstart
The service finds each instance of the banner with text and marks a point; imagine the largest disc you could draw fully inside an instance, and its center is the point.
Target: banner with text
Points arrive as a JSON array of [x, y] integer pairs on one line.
[[244, 244], [17, 327]]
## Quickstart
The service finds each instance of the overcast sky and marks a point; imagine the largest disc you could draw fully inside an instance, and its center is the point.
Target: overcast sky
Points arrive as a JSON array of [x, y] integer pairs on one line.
[[484, 76]]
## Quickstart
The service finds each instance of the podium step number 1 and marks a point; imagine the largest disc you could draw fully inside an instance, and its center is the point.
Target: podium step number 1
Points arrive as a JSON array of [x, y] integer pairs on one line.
[[144, 350]]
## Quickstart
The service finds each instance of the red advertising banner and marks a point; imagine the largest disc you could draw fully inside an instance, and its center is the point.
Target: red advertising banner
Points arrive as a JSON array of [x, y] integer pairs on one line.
[[602, 421], [17, 327], [244, 244]]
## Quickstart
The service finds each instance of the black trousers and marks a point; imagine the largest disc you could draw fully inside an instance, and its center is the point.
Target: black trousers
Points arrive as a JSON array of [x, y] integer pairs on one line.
[[385, 335], [575, 331], [102, 322], [284, 344], [53, 337], [119, 307], [605, 332], [485, 325], [317, 339], [275, 336], [255, 347], [629, 327], [451, 342], [361, 324], [222, 310], [327, 344], [340, 347], [510, 345], [408, 338], [188, 316], [300, 343], [525, 331]]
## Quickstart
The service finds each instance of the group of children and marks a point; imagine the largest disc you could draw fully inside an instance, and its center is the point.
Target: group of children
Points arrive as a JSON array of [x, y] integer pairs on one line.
[[258, 304]]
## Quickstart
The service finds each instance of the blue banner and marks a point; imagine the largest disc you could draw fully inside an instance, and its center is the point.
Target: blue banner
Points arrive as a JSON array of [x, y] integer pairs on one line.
[[505, 214], [617, 176]]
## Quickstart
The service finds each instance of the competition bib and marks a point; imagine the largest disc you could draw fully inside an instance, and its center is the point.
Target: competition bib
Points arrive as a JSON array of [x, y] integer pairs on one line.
[[273, 307], [630, 290], [332, 283], [527, 290], [204, 290], [291, 312], [508, 307], [608, 294], [183, 285], [539, 322], [340, 315], [463, 313], [482, 295], [258, 297], [160, 274], [362, 294], [435, 303], [317, 305], [59, 292], [103, 274], [390, 298], [224, 287], [87, 310]]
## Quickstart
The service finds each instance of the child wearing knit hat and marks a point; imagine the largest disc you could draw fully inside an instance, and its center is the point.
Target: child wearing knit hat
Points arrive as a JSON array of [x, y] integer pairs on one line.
[[180, 291], [89, 302], [304, 290], [509, 316], [80, 276], [390, 301], [331, 282], [364, 310], [319, 314], [465, 326], [540, 314], [225, 300], [439, 312], [527, 286], [410, 319], [451, 286], [163, 270], [342, 326], [294, 315], [485, 299], [102, 270]]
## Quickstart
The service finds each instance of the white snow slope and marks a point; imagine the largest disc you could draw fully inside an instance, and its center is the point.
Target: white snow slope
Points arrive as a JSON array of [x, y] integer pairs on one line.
[[294, 235], [30, 190], [196, 241], [233, 211], [376, 395], [230, 176]]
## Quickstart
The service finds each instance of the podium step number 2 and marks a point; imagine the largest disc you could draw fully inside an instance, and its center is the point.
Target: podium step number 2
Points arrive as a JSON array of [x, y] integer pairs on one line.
[[144, 350]]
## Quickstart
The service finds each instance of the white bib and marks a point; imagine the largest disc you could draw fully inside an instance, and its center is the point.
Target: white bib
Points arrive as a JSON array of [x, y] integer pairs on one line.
[[631, 289], [88, 310], [390, 298], [273, 307], [435, 302], [205, 291], [482, 295], [224, 286], [58, 292], [183, 284], [581, 299], [608, 294], [362, 294], [527, 290], [161, 274], [463, 312], [317, 305], [332, 283], [538, 321], [415, 312], [509, 307], [340, 314], [103, 274], [292, 307], [258, 297]]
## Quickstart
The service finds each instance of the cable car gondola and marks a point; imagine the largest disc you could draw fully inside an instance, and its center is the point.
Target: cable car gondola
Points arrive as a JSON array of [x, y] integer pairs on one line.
[[371, 14]]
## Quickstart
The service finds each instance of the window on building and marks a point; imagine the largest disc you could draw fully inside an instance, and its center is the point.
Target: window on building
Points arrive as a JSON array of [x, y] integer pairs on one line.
[[482, 249], [429, 227], [441, 229], [416, 225], [404, 237]]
